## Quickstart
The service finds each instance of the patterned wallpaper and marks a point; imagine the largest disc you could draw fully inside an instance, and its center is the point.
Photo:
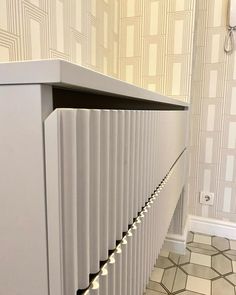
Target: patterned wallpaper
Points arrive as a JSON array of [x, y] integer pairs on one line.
[[81, 31], [213, 115], [145, 42], [156, 39]]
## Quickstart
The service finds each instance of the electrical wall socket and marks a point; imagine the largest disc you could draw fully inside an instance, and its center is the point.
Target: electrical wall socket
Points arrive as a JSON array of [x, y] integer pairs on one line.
[[207, 198]]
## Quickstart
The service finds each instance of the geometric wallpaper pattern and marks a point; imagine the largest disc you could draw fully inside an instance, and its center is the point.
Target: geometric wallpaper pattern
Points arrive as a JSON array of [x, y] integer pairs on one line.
[[144, 42], [156, 42], [213, 115], [83, 32], [148, 43]]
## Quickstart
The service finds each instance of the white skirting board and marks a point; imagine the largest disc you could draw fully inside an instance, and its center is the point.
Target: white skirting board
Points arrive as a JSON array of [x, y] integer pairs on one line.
[[177, 243], [212, 227]]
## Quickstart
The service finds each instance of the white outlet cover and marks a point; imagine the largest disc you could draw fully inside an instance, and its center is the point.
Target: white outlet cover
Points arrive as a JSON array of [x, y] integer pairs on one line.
[[207, 198]]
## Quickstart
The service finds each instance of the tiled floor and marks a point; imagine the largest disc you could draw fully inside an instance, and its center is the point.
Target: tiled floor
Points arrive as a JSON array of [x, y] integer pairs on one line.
[[208, 267]]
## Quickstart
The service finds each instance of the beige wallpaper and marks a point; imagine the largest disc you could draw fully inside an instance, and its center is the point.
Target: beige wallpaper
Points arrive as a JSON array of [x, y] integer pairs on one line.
[[156, 45], [213, 115], [81, 31], [145, 42]]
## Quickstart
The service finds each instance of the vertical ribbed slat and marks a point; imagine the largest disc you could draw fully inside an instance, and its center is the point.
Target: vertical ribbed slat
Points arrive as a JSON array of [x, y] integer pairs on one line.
[[127, 182], [129, 261], [133, 134], [141, 278], [149, 238], [155, 228], [104, 183], [111, 275], [54, 219], [150, 150], [83, 197], [94, 213], [136, 165], [124, 249], [152, 233], [157, 138], [154, 149], [68, 126], [113, 178], [141, 162], [134, 260], [145, 160], [118, 270], [146, 241], [103, 281], [138, 256], [120, 175], [95, 288]]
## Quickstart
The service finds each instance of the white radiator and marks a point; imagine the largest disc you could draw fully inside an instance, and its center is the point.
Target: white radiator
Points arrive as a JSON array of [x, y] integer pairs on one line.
[[113, 180]]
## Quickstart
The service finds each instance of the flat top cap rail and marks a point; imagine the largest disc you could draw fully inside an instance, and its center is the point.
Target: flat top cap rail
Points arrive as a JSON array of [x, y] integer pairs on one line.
[[64, 74]]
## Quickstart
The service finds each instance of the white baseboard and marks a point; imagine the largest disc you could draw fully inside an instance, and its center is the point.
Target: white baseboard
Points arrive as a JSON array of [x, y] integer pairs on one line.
[[215, 227], [177, 243], [212, 226]]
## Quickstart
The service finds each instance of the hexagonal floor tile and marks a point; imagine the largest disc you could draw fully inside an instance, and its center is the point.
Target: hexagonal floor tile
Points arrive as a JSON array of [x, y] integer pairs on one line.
[[221, 286], [168, 278], [157, 274], [156, 287], [207, 268], [221, 244], [231, 254], [200, 271], [174, 257], [185, 258], [221, 264], [200, 259], [201, 238], [163, 262], [232, 278], [198, 285], [180, 281], [202, 248]]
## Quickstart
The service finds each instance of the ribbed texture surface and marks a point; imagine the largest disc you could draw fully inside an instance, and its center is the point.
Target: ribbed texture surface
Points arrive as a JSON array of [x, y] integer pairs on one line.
[[102, 167]]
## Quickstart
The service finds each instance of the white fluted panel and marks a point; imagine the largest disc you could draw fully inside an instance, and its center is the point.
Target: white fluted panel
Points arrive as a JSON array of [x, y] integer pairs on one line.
[[111, 275], [103, 281], [104, 183], [124, 273], [129, 259], [102, 167], [82, 138], [120, 175], [134, 260], [141, 161], [137, 165], [94, 185], [95, 288], [113, 178], [127, 177], [118, 270], [133, 150]]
